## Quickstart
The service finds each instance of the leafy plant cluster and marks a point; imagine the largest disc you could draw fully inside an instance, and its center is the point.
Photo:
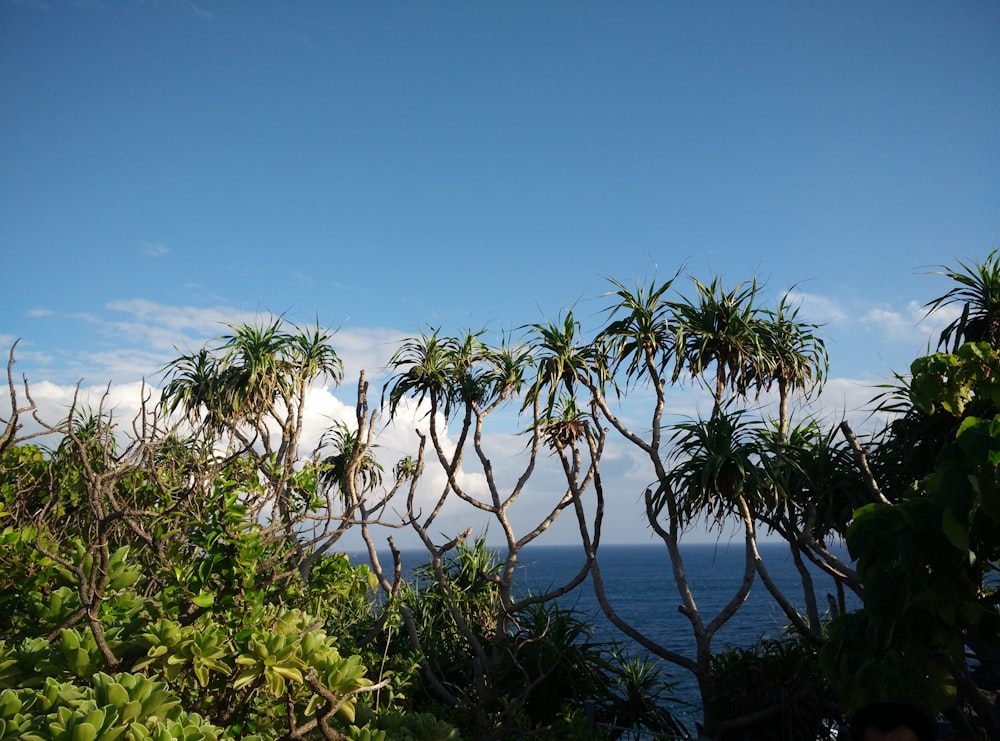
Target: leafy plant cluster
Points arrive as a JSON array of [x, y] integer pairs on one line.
[[145, 595]]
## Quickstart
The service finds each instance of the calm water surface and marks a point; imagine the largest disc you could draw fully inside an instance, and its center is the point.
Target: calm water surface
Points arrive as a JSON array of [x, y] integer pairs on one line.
[[640, 586]]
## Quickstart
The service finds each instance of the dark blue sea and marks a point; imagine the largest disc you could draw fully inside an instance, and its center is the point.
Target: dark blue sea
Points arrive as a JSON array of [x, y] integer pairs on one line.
[[640, 587]]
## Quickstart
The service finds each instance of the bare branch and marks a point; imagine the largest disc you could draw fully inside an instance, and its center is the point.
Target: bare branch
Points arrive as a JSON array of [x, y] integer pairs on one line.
[[861, 459]]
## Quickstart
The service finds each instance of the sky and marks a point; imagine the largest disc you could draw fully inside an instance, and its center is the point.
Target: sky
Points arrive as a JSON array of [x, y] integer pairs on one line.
[[167, 166]]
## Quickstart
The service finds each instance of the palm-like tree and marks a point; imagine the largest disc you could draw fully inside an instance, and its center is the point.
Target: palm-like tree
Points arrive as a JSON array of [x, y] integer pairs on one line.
[[256, 368], [191, 387], [718, 464], [252, 386], [314, 356], [425, 370], [640, 696], [247, 372], [562, 362], [348, 468], [565, 425], [720, 329], [506, 367], [978, 294], [726, 467], [819, 488], [815, 472], [795, 356], [640, 336], [456, 372]]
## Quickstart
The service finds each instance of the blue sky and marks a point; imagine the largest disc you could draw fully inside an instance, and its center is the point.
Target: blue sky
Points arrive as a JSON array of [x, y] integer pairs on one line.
[[381, 167]]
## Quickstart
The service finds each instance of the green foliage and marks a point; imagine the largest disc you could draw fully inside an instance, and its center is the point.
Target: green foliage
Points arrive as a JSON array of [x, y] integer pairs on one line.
[[542, 671], [639, 698], [721, 329], [563, 362], [928, 561], [396, 726], [468, 589], [795, 355], [950, 382], [718, 461], [640, 337], [126, 706], [554, 654], [977, 291], [89, 656], [343, 593], [338, 465], [183, 562], [24, 484], [779, 682], [816, 479], [177, 651]]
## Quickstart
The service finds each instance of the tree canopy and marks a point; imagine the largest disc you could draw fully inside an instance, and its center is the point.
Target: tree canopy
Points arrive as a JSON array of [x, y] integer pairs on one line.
[[176, 575]]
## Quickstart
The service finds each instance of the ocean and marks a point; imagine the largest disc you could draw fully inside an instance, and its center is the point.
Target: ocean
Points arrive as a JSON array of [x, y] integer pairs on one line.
[[640, 587]]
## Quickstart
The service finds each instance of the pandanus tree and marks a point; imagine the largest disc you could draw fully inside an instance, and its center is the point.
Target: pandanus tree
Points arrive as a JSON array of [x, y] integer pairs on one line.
[[753, 348], [818, 483], [642, 345], [720, 334], [458, 383], [815, 473], [716, 470], [247, 392], [795, 357], [977, 294]]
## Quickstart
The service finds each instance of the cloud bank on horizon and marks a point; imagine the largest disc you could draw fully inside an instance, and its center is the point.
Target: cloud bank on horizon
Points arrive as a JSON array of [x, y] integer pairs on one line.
[[148, 335]]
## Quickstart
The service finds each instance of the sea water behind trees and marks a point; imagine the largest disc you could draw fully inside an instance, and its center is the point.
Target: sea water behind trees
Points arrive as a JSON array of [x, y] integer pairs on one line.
[[640, 587]]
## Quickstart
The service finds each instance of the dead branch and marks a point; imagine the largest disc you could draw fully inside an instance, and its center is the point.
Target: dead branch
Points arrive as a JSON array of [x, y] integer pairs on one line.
[[861, 459]]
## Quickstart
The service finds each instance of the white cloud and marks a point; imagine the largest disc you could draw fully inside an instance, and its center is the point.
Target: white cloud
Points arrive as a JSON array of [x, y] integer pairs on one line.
[[53, 402], [163, 327], [145, 334], [907, 325], [323, 410], [368, 349], [155, 323], [24, 352], [850, 399], [138, 345], [201, 12], [818, 309], [126, 364], [137, 337], [152, 249], [39, 312]]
